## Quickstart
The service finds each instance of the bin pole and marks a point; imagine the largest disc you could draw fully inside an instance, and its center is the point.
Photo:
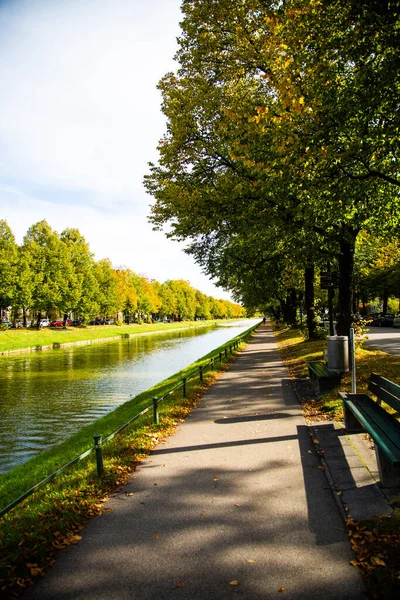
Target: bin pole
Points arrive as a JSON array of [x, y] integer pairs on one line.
[[352, 362]]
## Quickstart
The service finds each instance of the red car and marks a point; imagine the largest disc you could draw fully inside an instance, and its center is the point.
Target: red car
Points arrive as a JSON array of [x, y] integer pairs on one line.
[[59, 323]]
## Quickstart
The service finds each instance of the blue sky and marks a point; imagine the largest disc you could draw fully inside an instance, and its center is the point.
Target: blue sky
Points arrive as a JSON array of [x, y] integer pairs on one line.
[[79, 121]]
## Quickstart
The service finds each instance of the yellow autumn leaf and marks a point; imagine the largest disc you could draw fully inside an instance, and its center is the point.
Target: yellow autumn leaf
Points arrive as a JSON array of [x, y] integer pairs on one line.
[[234, 582], [375, 560]]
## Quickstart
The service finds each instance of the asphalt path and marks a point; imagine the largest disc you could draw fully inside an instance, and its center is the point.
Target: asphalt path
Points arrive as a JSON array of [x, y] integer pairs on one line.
[[386, 339], [234, 505]]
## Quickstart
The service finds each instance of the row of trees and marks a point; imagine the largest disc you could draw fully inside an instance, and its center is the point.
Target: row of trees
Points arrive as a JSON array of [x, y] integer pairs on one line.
[[282, 144], [56, 274]]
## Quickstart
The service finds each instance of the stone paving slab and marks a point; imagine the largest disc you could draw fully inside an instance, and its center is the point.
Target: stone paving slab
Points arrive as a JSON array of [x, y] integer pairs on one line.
[[352, 471]]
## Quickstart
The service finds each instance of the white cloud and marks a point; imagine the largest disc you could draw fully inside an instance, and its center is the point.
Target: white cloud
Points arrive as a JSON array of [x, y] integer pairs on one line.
[[79, 120]]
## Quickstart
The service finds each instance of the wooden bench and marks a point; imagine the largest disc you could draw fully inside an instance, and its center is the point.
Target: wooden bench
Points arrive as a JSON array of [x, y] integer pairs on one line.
[[362, 413], [326, 379]]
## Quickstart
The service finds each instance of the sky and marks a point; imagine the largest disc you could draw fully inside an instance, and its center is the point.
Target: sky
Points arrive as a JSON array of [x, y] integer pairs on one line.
[[80, 119]]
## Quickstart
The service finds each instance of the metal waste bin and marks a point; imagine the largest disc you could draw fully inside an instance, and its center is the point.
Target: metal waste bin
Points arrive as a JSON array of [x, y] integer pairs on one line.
[[338, 353]]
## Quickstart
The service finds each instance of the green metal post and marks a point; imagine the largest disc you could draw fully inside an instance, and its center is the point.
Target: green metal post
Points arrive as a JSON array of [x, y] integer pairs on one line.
[[201, 373], [184, 387], [99, 454], [155, 411], [220, 357]]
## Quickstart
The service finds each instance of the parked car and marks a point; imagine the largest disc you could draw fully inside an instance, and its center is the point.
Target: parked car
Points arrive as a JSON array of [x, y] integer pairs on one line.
[[77, 322], [376, 319], [109, 321], [59, 323], [44, 323], [387, 320], [396, 320]]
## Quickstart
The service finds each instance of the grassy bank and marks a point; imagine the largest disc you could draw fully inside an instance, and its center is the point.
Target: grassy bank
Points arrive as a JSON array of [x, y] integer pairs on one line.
[[376, 542], [51, 519], [18, 339]]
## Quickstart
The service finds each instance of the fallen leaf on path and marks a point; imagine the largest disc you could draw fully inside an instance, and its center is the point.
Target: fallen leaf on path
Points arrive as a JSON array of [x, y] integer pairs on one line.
[[375, 560], [250, 560], [282, 589], [234, 582], [156, 535], [181, 585]]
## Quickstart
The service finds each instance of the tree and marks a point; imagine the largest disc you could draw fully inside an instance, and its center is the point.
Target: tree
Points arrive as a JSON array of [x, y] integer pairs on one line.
[[107, 298], [8, 266], [50, 268], [24, 284], [168, 306], [126, 292]]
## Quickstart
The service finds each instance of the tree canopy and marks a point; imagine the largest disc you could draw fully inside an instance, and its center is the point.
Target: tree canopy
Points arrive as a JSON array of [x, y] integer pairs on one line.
[[282, 139], [56, 274]]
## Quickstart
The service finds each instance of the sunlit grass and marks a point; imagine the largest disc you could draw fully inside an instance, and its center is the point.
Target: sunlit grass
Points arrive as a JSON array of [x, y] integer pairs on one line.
[[17, 339]]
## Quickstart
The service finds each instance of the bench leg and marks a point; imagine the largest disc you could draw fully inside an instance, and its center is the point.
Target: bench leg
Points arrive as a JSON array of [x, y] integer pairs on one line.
[[351, 424], [389, 475]]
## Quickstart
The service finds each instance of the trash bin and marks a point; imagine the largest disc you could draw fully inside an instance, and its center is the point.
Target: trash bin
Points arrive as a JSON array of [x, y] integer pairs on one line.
[[338, 353]]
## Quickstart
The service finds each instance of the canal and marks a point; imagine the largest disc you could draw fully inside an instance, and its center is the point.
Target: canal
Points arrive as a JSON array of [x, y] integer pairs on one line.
[[45, 397]]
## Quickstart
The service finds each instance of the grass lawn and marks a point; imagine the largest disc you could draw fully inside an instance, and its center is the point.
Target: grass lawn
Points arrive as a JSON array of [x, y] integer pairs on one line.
[[376, 542], [17, 339]]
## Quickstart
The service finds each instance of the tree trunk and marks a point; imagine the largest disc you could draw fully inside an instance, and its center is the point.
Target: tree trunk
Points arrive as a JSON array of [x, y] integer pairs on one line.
[[346, 269], [65, 319], [276, 313], [293, 307], [39, 318], [385, 300], [310, 299]]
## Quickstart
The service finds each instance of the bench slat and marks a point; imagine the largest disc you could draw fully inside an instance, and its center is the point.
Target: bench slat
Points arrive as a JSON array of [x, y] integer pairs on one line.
[[385, 390], [382, 426], [321, 370]]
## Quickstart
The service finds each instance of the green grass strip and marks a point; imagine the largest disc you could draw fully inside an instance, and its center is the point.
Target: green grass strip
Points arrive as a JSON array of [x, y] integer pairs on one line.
[[32, 339]]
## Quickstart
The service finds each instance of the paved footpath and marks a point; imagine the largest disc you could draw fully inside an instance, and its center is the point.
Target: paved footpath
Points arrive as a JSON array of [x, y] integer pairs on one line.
[[234, 496]]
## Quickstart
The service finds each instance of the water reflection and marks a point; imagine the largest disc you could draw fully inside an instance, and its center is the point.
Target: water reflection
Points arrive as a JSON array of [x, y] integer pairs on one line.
[[47, 396]]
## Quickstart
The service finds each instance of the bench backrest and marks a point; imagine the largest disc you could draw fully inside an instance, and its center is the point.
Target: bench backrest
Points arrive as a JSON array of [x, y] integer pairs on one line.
[[385, 390]]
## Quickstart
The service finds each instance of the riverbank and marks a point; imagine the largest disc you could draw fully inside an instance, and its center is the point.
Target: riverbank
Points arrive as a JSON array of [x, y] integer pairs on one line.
[[52, 517], [16, 341]]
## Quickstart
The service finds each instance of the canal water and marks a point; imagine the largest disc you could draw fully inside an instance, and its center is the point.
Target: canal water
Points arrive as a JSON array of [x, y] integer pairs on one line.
[[47, 396]]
